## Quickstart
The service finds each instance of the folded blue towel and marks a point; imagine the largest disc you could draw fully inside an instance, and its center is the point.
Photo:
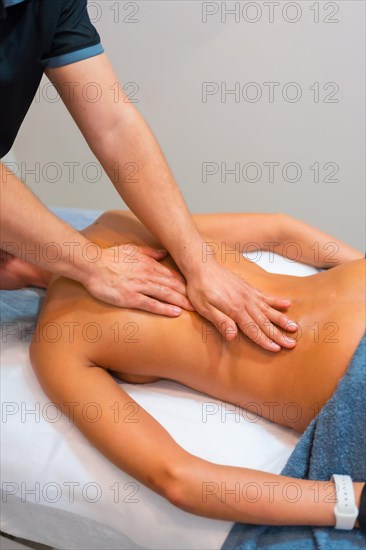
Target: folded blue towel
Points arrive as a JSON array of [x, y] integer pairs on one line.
[[334, 443]]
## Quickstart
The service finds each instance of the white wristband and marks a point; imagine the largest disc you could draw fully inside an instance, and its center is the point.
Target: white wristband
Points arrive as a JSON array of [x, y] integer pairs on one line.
[[345, 510]]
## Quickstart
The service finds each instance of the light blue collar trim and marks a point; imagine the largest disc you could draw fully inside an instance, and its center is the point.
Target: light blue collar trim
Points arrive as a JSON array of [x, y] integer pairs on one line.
[[8, 3]]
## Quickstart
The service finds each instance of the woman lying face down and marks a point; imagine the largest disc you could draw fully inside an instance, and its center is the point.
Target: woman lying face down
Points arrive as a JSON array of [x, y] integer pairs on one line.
[[80, 342]]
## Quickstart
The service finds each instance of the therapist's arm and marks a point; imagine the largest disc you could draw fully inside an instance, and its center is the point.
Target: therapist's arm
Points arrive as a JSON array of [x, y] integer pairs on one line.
[[34, 234], [29, 231], [126, 148]]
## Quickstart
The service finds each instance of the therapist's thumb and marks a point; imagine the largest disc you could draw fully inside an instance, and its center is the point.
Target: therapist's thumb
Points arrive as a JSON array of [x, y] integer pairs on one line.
[[154, 253]]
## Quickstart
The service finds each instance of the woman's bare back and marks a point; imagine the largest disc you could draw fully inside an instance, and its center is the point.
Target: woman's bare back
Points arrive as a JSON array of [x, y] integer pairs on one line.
[[288, 387]]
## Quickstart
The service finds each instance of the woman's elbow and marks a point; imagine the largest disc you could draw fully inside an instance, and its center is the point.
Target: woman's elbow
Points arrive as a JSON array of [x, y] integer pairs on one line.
[[276, 227], [174, 484], [178, 495], [282, 220]]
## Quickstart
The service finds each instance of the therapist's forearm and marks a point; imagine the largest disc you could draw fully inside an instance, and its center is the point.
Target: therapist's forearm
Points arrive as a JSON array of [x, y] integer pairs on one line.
[[125, 146], [34, 234], [135, 163]]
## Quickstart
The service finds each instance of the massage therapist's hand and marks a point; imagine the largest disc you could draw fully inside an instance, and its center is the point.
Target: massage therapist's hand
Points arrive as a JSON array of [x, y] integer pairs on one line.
[[130, 276], [229, 302]]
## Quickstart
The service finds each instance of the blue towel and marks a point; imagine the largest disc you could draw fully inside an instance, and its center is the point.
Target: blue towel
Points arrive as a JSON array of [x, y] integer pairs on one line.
[[19, 308], [334, 443]]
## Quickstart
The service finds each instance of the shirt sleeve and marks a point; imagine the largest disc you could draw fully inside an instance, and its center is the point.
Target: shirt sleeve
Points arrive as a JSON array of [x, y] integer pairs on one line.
[[75, 37]]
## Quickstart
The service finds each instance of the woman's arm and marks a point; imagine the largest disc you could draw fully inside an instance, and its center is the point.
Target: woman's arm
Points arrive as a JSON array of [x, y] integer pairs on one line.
[[277, 233], [133, 440], [316, 247]]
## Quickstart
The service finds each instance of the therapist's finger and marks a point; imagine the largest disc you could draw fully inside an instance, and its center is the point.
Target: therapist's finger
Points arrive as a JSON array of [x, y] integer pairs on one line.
[[269, 336], [278, 318], [274, 301], [170, 287], [169, 271], [165, 293], [150, 304], [154, 254], [224, 324], [250, 326]]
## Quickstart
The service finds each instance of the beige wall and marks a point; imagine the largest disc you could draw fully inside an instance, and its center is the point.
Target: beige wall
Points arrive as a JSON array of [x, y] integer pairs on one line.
[[169, 52]]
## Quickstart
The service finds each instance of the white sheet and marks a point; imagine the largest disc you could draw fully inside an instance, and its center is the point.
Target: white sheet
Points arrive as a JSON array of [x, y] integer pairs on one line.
[[114, 510]]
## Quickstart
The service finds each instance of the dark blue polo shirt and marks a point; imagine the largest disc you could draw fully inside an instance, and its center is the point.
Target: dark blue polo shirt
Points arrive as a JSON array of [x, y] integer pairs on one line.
[[34, 35]]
